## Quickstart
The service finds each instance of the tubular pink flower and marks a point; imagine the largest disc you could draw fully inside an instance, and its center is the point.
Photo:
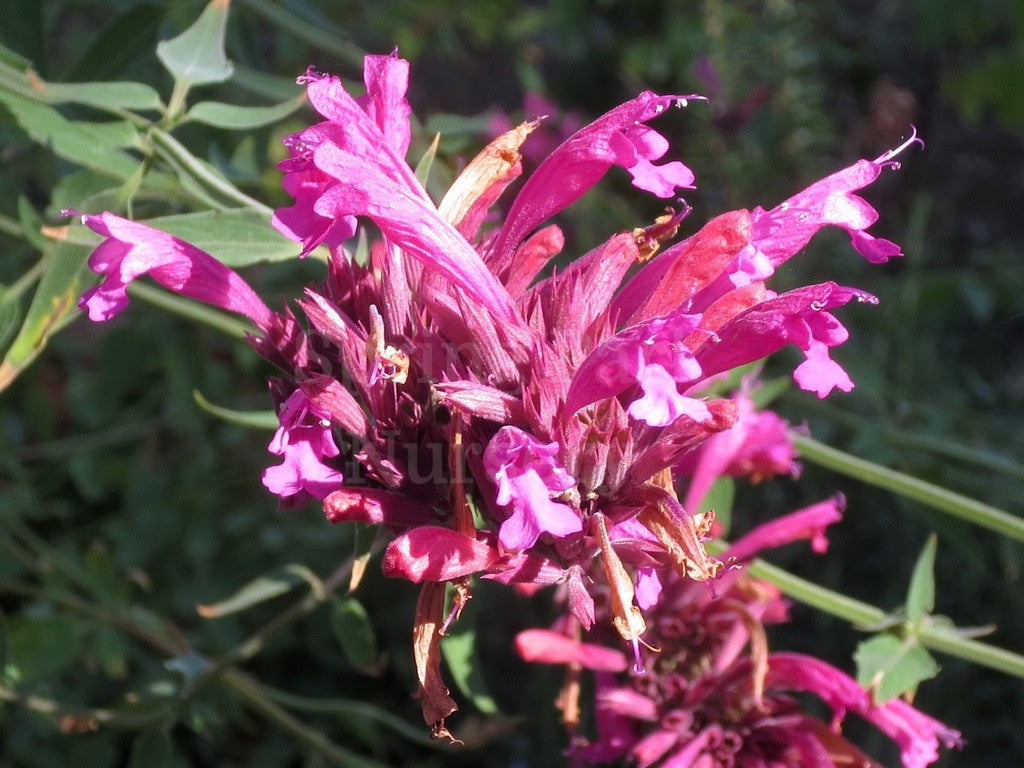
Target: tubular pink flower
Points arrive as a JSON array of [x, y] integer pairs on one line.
[[132, 249], [651, 355], [758, 445], [304, 439], [796, 317], [616, 138], [807, 523], [547, 647], [784, 230], [917, 735], [527, 474]]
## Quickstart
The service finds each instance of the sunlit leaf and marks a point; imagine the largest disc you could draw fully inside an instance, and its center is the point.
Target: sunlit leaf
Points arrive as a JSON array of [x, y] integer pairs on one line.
[[117, 95], [197, 55], [94, 145], [423, 166], [354, 631], [459, 650], [720, 498], [53, 302], [238, 118], [259, 590], [889, 667], [921, 594], [237, 238]]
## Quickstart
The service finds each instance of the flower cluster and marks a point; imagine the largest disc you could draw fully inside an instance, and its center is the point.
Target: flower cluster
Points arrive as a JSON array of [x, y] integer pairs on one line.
[[514, 427]]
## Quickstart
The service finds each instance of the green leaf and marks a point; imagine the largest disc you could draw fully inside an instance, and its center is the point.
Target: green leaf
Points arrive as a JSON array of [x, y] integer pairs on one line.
[[10, 314], [238, 238], [151, 749], [921, 594], [196, 56], [12, 59], [31, 222], [423, 166], [889, 667], [54, 303], [459, 651], [41, 647], [354, 631], [720, 498], [118, 95], [94, 145], [254, 419], [238, 118], [260, 590]]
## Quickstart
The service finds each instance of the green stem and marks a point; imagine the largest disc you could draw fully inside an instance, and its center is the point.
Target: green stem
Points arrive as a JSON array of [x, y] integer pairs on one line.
[[27, 280], [929, 494], [936, 638], [198, 170], [191, 310], [10, 226], [251, 691]]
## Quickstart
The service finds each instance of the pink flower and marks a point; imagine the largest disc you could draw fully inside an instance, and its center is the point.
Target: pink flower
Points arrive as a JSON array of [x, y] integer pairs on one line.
[[530, 431], [132, 249], [304, 440], [528, 474]]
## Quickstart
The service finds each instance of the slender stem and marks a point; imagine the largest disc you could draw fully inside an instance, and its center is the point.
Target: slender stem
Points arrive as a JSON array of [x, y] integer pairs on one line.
[[191, 310], [10, 226], [937, 638], [251, 691], [31, 276], [929, 494], [198, 170]]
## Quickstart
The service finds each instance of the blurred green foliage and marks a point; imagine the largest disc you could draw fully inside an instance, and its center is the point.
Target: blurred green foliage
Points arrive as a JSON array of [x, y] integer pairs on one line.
[[123, 505]]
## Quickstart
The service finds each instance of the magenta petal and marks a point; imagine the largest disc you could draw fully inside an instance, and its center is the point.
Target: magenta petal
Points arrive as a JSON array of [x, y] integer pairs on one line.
[[410, 221], [432, 553], [807, 523], [917, 735], [133, 249], [377, 507], [651, 354], [387, 79], [545, 646], [304, 439], [527, 474], [583, 158]]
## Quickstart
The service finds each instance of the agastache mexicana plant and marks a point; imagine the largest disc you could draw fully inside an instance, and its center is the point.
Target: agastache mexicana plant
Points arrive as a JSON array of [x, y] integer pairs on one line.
[[501, 425]]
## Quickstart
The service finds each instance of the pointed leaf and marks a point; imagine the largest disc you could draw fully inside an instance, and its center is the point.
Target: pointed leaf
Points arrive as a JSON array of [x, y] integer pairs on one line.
[[459, 650], [889, 667], [151, 749], [94, 145], [261, 589], [52, 304], [237, 238], [354, 631], [720, 499], [197, 56], [423, 166], [237, 118], [112, 96], [254, 419], [921, 594], [10, 313]]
